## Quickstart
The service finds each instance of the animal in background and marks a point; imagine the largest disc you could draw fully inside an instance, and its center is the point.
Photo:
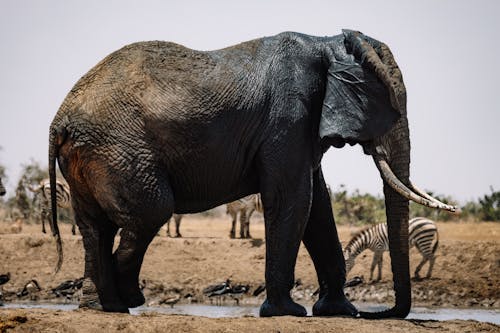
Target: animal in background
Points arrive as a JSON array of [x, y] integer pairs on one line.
[[177, 219], [245, 207], [42, 198], [422, 233]]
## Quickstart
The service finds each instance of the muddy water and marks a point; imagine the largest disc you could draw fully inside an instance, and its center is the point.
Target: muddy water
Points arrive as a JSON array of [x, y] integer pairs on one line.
[[212, 311]]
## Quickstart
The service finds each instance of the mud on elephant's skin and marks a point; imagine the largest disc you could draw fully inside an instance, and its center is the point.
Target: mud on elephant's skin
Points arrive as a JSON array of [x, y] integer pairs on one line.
[[157, 128]]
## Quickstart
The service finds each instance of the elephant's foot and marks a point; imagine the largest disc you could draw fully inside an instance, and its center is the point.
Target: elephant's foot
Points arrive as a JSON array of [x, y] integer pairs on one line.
[[285, 307], [115, 307], [329, 306], [132, 296], [90, 300]]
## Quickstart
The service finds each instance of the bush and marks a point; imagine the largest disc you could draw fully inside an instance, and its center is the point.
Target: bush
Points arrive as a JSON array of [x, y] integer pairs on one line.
[[357, 208], [490, 206]]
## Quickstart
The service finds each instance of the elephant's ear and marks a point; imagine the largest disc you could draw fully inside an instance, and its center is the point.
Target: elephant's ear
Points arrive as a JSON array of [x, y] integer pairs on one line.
[[356, 107]]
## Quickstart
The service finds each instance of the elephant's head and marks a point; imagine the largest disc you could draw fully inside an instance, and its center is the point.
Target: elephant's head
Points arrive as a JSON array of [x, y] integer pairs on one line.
[[365, 103]]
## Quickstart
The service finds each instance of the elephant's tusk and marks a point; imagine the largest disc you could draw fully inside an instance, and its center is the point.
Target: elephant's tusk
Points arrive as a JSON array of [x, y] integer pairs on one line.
[[429, 197], [402, 189]]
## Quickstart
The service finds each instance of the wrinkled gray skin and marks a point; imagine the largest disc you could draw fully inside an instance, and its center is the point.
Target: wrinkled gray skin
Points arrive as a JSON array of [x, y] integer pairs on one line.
[[156, 128], [2, 188]]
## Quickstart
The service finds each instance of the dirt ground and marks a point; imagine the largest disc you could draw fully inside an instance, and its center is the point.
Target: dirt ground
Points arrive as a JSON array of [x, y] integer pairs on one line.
[[466, 274]]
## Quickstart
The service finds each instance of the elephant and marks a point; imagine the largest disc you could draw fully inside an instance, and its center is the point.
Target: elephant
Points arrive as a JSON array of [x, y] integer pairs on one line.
[[156, 128], [2, 188]]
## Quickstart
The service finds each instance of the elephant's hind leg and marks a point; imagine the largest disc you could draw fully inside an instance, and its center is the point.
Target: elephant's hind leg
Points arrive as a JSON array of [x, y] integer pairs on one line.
[[98, 234], [141, 218], [128, 259]]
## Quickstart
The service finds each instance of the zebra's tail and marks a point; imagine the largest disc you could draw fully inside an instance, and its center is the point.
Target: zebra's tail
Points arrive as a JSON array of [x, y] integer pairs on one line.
[[258, 203], [53, 153]]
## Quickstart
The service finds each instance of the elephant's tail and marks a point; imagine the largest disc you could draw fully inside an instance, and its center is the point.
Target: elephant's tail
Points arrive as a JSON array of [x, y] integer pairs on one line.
[[53, 153]]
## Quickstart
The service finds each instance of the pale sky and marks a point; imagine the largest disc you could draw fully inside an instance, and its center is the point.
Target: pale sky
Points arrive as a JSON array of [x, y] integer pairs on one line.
[[448, 52]]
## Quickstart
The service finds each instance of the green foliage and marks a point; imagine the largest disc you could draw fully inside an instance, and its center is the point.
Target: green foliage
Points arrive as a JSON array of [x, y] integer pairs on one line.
[[490, 206], [357, 208]]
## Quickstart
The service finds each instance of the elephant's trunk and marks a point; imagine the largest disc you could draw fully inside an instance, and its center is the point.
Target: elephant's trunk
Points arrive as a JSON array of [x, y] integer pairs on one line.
[[397, 213]]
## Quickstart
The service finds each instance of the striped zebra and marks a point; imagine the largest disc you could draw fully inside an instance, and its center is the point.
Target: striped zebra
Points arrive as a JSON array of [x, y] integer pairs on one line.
[[245, 206], [42, 197], [2, 188], [422, 233]]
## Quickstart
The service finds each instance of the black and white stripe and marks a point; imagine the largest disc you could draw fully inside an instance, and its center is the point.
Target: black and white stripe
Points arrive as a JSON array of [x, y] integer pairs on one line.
[[422, 233], [42, 197], [245, 206]]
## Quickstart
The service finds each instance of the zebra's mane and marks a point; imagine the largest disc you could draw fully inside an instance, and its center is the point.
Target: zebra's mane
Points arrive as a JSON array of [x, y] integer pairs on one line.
[[357, 235]]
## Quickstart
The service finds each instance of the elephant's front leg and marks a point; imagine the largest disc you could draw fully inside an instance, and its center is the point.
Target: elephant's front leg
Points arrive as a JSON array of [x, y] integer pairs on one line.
[[286, 207], [322, 242]]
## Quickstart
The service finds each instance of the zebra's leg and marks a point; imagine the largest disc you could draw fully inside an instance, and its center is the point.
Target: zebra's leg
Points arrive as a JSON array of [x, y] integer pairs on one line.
[[374, 263], [177, 219], [247, 224], [43, 225], [168, 227], [232, 233], [419, 267], [379, 263], [73, 228], [432, 259], [243, 219], [322, 242]]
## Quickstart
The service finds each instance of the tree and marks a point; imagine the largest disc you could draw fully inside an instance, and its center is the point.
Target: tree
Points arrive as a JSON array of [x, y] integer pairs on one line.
[[357, 208], [31, 175], [490, 206]]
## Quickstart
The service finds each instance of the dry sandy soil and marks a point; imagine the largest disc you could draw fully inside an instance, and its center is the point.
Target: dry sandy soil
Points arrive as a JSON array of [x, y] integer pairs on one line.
[[466, 274]]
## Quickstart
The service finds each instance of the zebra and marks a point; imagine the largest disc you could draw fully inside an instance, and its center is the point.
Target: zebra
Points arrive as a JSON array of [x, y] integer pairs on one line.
[[422, 233], [42, 196], [245, 206], [177, 218], [2, 188]]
